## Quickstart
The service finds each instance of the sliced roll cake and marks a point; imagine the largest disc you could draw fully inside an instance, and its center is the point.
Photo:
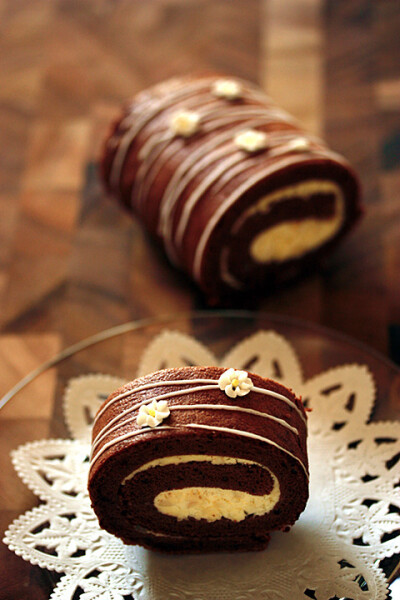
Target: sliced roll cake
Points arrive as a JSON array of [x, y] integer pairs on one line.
[[237, 193], [199, 459]]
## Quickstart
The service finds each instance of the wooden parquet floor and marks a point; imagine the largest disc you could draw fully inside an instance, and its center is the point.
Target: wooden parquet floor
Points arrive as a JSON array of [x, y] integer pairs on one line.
[[72, 264]]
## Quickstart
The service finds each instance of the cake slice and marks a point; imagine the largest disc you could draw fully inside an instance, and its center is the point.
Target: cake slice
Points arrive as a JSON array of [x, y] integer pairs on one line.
[[236, 192], [199, 459]]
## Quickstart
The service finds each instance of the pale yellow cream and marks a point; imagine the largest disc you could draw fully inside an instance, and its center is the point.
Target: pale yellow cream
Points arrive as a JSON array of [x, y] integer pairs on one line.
[[210, 503], [295, 238]]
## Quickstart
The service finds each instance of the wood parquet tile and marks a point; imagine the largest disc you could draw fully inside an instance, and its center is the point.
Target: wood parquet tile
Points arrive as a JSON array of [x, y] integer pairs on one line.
[[66, 68], [73, 264]]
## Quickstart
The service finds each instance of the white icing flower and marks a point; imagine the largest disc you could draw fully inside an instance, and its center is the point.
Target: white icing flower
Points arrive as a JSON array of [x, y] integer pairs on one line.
[[185, 122], [299, 144], [151, 415], [235, 383], [251, 140], [227, 88]]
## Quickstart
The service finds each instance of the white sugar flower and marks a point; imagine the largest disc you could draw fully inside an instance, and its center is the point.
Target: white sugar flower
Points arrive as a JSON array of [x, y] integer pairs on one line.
[[151, 415], [235, 383], [227, 88], [185, 122], [299, 144], [251, 140]]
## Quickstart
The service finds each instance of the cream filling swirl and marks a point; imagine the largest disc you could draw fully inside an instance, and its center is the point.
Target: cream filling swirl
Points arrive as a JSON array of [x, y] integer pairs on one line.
[[294, 238], [210, 503]]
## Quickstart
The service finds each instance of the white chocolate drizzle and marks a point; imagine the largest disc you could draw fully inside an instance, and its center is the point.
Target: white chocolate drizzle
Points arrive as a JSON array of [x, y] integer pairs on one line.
[[114, 424], [230, 200], [288, 239], [111, 427], [216, 154], [238, 432], [126, 418], [234, 164], [242, 409], [162, 151], [148, 386], [211, 123], [176, 92]]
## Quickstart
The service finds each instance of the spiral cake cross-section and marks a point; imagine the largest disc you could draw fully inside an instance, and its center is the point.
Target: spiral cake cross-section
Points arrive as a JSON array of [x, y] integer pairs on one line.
[[198, 459], [238, 194]]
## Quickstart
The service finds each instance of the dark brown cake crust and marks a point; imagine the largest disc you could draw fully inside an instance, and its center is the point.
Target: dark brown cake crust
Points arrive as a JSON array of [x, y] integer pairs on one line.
[[125, 507], [194, 192]]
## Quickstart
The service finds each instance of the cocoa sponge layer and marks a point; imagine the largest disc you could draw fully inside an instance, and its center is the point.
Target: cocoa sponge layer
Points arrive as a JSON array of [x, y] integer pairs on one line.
[[234, 212], [218, 473]]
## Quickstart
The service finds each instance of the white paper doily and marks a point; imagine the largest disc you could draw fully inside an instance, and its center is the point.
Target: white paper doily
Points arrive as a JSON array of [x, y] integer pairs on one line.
[[351, 522]]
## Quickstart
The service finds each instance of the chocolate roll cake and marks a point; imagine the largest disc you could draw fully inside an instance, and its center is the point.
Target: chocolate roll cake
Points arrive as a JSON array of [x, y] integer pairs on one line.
[[199, 459], [236, 192]]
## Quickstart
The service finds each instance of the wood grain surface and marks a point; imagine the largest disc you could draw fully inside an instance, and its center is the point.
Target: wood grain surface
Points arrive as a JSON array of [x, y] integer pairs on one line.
[[73, 264]]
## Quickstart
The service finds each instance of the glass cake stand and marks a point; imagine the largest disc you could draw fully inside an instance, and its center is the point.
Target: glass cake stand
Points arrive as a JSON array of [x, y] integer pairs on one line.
[[117, 352]]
